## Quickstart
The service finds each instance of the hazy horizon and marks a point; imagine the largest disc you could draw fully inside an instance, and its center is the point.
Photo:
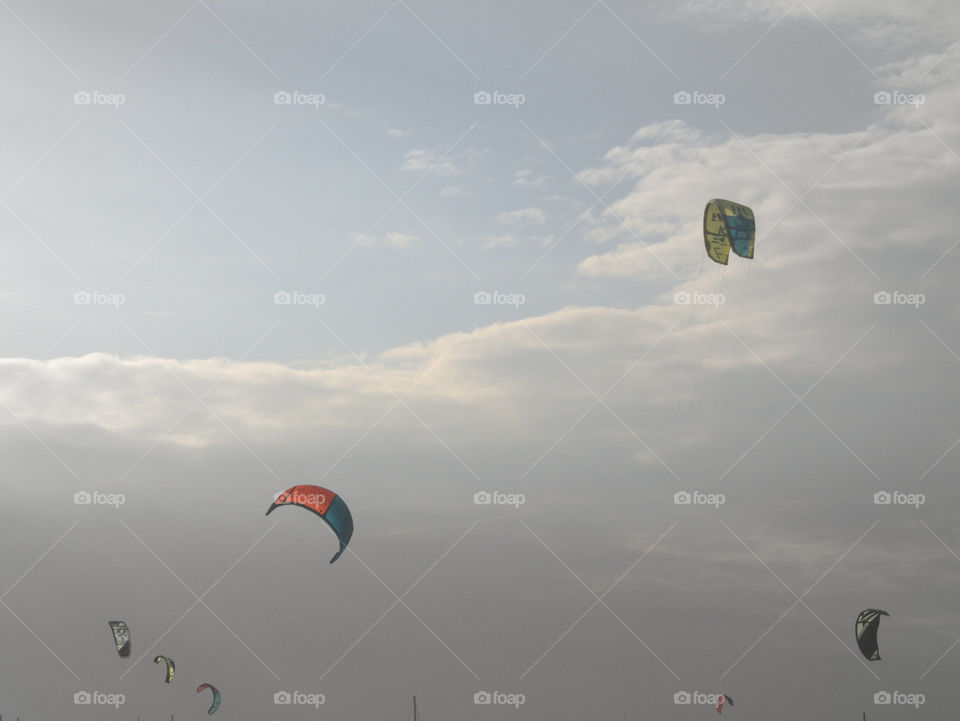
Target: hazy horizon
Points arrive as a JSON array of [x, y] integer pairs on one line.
[[414, 252]]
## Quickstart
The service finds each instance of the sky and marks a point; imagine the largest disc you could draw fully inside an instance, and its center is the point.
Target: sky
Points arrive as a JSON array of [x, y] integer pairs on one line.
[[432, 254]]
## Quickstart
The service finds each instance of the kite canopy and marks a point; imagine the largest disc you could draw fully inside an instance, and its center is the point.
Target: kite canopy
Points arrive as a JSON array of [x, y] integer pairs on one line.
[[171, 667], [724, 699], [121, 637], [728, 225], [216, 697], [326, 504], [868, 623]]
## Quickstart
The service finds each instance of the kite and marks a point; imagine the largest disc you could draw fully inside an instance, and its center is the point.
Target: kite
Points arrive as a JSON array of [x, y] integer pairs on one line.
[[216, 697], [121, 637], [171, 667], [326, 504], [728, 225], [868, 622], [722, 700]]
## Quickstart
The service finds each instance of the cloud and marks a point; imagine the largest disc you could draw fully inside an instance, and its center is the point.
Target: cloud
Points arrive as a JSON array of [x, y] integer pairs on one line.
[[422, 160], [523, 216], [523, 177]]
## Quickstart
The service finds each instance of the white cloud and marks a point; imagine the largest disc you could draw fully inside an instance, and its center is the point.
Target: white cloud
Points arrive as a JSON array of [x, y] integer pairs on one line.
[[523, 216]]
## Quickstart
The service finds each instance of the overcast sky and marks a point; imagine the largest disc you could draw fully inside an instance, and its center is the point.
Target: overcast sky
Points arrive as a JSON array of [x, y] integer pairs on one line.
[[246, 247]]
